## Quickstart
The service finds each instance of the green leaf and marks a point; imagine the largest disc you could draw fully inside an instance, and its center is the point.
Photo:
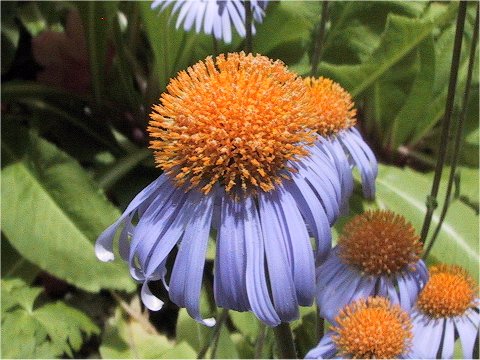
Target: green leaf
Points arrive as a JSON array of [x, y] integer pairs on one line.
[[14, 265], [30, 16], [10, 34], [246, 323], [126, 338], [52, 214], [47, 331], [405, 191], [400, 37]]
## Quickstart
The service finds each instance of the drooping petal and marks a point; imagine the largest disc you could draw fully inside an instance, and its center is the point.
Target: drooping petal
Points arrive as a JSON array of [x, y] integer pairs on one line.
[[468, 333], [257, 290], [104, 244], [281, 281], [325, 349], [230, 286], [187, 273], [151, 301]]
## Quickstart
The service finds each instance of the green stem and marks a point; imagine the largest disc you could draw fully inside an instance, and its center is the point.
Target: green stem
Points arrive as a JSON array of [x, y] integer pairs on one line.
[[262, 332], [458, 136], [457, 47], [248, 26], [215, 336], [284, 339], [320, 324], [121, 167], [317, 52]]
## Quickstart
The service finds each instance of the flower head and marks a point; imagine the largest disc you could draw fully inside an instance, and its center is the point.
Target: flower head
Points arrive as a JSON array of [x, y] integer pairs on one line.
[[234, 138], [335, 120], [214, 16], [377, 254], [370, 328], [447, 304]]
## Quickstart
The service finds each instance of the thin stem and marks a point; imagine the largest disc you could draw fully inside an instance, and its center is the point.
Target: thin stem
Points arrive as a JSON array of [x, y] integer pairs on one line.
[[320, 324], [248, 26], [134, 314], [262, 332], [317, 51], [215, 46], [458, 135], [457, 47], [284, 339], [215, 336]]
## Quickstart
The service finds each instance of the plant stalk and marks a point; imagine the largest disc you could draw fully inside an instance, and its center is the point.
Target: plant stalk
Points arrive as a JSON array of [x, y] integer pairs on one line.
[[284, 339], [215, 336], [457, 47], [248, 26], [262, 332], [320, 324], [317, 51], [458, 135]]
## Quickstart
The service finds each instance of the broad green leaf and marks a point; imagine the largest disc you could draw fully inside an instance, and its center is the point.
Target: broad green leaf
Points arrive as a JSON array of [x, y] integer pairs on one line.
[[16, 266], [246, 323], [405, 191], [400, 37], [126, 338], [52, 214], [43, 332], [30, 16]]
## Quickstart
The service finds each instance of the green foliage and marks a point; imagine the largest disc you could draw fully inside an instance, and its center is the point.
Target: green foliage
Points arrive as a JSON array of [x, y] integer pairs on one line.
[[46, 331], [53, 212]]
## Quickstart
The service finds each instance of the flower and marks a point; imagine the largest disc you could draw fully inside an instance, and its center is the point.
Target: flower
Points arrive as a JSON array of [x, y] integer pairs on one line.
[[447, 305], [339, 139], [216, 16], [371, 328], [233, 137], [377, 254]]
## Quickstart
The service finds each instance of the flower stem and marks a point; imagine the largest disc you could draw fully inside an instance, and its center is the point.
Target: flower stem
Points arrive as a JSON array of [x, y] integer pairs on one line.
[[317, 51], [320, 324], [284, 339], [215, 336], [248, 26], [458, 135], [457, 47], [262, 332]]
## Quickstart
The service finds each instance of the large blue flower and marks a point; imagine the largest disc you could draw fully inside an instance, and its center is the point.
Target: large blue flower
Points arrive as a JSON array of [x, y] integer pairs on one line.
[[378, 254], [233, 136], [447, 308], [214, 17]]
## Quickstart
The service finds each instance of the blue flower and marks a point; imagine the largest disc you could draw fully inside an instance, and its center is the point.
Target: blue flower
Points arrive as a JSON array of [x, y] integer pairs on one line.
[[447, 307], [214, 17], [233, 137], [370, 328], [377, 254], [339, 139]]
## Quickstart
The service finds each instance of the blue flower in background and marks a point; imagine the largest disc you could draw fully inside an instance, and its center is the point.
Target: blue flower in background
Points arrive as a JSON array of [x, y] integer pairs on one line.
[[447, 307], [235, 141], [377, 254], [213, 17], [339, 139], [370, 328]]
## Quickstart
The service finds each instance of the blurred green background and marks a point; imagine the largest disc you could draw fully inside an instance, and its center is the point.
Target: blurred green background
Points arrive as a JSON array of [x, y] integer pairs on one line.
[[78, 82]]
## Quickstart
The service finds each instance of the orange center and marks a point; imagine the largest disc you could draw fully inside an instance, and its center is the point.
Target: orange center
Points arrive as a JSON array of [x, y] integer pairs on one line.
[[372, 328], [333, 106], [379, 242], [236, 120], [450, 291]]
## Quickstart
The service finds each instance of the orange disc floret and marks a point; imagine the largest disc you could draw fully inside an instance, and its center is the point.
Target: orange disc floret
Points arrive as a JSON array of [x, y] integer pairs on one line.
[[372, 328], [235, 120], [334, 108], [450, 291], [379, 242]]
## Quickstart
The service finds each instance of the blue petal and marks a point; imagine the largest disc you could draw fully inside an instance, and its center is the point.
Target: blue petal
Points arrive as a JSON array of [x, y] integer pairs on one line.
[[235, 15], [151, 301], [104, 244], [300, 249], [325, 349], [187, 273], [210, 14], [314, 214], [258, 293], [387, 289], [230, 261], [278, 262], [185, 7], [427, 334], [448, 340], [468, 333]]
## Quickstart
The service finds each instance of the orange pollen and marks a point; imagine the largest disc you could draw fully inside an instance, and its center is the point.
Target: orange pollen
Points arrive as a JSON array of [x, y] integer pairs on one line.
[[235, 120], [372, 328], [379, 242], [450, 291], [334, 107]]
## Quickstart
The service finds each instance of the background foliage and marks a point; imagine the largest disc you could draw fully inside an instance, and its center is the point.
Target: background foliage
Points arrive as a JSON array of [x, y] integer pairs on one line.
[[74, 111]]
